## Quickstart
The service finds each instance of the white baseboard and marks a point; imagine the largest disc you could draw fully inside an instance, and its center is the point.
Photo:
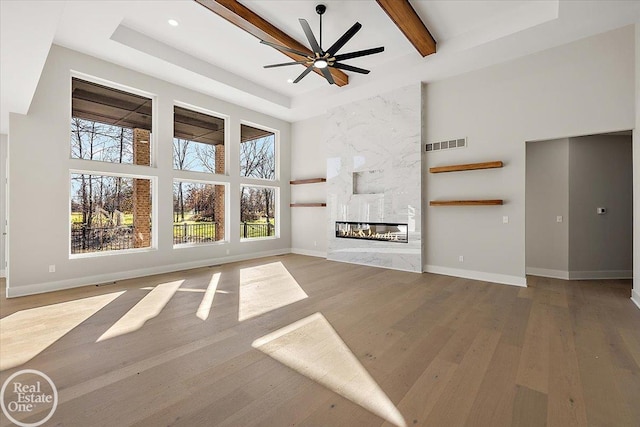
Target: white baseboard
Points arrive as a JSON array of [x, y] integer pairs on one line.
[[545, 272], [604, 274], [580, 275], [318, 254], [477, 275], [39, 288], [635, 297]]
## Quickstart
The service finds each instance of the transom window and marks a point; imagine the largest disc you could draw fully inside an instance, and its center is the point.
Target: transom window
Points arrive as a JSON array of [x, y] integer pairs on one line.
[[257, 153], [198, 141], [103, 123]]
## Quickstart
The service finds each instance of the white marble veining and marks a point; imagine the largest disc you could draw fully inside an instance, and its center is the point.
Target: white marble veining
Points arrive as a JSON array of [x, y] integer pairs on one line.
[[376, 140]]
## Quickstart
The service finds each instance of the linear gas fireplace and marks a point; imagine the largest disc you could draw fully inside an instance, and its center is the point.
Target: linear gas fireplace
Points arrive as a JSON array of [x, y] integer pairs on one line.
[[381, 231]]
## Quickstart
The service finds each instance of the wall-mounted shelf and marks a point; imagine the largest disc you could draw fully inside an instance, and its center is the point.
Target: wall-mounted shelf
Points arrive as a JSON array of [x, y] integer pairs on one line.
[[467, 167], [307, 181], [307, 205], [491, 202]]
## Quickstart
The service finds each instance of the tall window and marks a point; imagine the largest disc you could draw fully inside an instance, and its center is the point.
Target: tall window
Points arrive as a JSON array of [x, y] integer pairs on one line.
[[257, 203], [198, 212], [257, 212], [257, 153], [198, 141], [109, 212]]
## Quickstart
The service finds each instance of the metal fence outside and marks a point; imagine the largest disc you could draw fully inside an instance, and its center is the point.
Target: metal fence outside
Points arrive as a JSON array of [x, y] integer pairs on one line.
[[97, 239], [250, 230], [194, 233]]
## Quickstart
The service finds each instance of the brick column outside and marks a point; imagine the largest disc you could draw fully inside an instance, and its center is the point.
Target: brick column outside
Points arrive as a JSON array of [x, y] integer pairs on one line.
[[219, 194], [141, 191]]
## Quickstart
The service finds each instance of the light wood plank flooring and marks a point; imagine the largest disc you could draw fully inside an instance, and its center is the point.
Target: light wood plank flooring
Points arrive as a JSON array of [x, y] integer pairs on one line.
[[446, 351]]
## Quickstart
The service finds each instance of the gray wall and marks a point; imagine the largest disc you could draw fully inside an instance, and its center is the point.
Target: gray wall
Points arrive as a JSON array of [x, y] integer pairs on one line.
[[547, 197], [636, 178], [571, 177], [600, 175], [581, 88], [3, 202], [309, 154], [39, 183]]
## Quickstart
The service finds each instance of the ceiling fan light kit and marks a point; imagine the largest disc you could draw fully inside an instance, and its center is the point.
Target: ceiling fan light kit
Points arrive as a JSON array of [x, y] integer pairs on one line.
[[321, 59]]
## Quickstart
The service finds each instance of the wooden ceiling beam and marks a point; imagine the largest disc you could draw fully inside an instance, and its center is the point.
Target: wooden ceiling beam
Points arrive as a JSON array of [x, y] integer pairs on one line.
[[244, 18], [407, 20]]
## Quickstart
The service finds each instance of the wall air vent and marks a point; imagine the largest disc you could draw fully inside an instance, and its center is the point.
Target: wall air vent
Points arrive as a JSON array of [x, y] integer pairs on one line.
[[447, 145]]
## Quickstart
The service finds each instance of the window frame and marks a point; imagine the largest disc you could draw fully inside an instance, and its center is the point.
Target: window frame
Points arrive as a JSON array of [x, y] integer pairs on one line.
[[227, 134], [276, 148], [153, 139], [154, 214], [276, 216], [226, 212]]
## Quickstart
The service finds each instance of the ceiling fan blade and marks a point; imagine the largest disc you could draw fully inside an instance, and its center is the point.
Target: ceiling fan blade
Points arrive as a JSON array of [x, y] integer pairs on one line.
[[359, 53], [284, 64], [304, 73], [312, 39], [344, 39], [285, 49], [350, 68], [327, 75]]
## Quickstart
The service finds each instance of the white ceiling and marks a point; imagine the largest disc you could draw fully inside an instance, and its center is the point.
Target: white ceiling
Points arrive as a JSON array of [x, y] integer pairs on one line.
[[210, 55]]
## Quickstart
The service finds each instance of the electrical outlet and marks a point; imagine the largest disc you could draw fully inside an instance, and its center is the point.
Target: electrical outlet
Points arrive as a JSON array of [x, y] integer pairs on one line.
[[52, 268], [461, 258], [505, 219], [315, 243], [227, 251]]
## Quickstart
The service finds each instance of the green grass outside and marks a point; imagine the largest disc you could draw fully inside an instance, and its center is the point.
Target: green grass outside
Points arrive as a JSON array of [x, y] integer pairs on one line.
[[178, 232]]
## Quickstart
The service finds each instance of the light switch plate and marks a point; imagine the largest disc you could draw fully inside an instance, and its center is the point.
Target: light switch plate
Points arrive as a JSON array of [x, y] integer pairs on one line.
[[559, 218]]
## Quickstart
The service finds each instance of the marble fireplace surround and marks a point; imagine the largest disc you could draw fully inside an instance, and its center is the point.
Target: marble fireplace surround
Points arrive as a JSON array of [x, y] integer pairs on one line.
[[374, 175]]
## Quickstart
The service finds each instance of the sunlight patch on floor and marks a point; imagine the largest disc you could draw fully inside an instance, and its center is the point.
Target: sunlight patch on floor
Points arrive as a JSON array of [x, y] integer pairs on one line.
[[27, 333], [266, 287], [147, 308], [314, 349], [207, 300]]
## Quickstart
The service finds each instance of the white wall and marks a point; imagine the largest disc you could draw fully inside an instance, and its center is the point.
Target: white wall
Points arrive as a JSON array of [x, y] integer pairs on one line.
[[547, 197], [582, 88], [636, 178], [600, 175], [3, 202], [309, 154], [39, 183]]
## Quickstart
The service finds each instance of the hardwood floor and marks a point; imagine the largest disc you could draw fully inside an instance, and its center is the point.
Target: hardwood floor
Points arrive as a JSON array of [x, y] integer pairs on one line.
[[445, 351]]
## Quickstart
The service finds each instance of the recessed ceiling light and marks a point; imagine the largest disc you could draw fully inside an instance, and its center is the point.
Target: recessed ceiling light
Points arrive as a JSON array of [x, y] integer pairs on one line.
[[173, 22]]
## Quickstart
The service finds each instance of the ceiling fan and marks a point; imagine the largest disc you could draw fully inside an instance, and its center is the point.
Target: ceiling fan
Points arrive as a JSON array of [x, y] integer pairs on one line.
[[323, 59]]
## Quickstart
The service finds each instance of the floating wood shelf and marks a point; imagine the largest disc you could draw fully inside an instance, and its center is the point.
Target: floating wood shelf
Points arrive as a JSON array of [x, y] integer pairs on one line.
[[307, 205], [467, 167], [465, 202], [307, 181]]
